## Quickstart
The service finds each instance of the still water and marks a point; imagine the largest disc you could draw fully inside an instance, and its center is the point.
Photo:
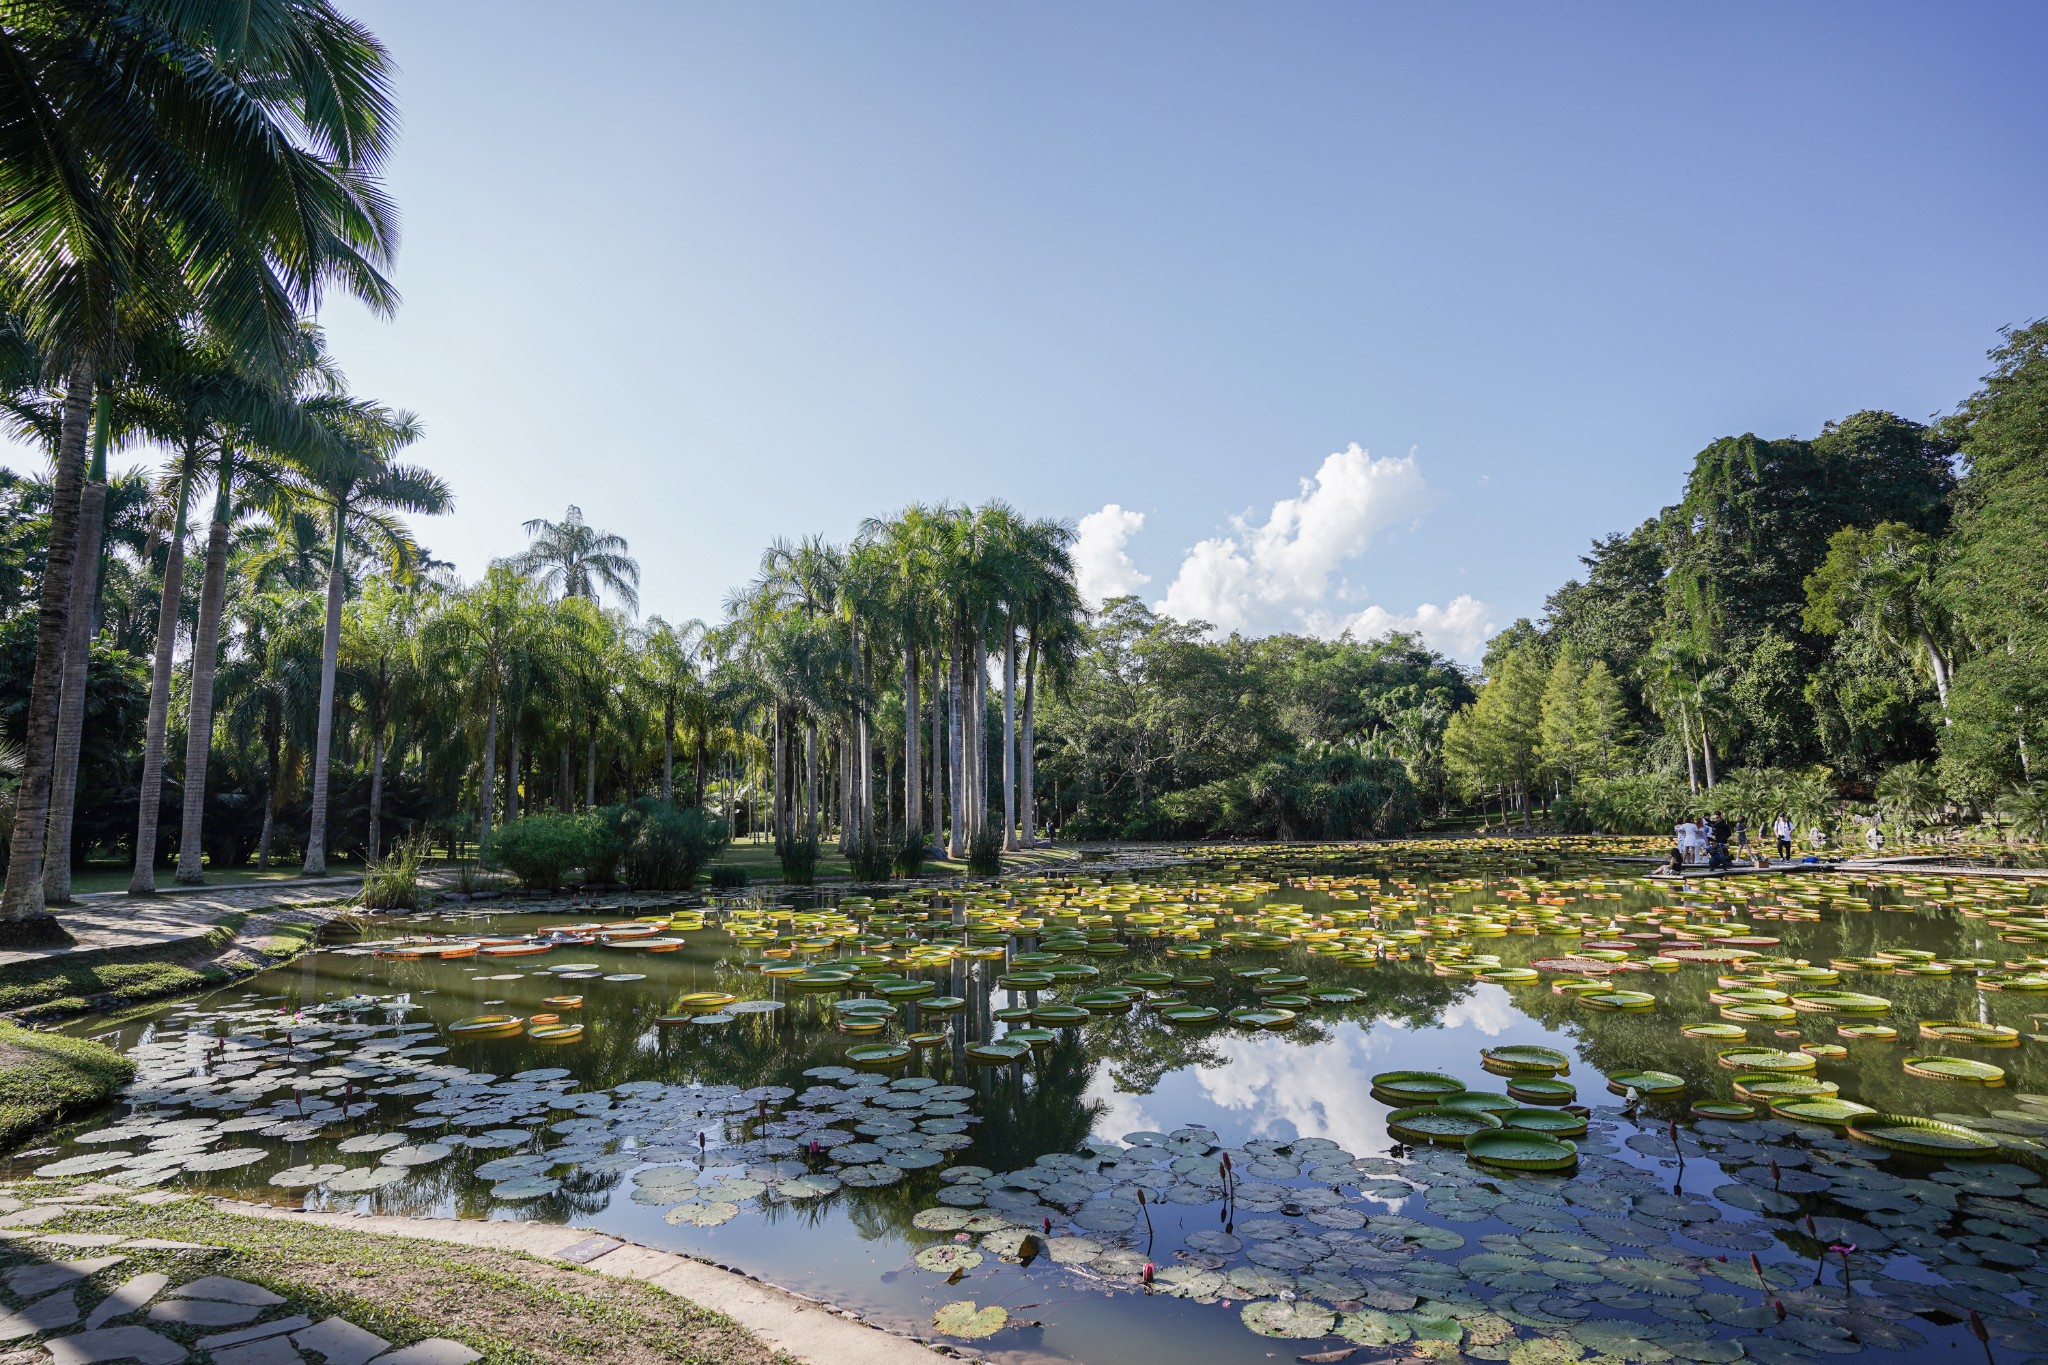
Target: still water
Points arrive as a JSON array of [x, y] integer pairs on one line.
[[1128, 1189]]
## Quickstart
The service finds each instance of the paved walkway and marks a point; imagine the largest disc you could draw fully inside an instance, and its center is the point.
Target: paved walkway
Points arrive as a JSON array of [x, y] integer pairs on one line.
[[116, 920], [805, 1328], [239, 1323], [44, 1320]]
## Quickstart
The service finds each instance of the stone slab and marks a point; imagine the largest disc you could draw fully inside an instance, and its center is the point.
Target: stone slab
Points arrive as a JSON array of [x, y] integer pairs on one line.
[[30, 1280], [127, 1298], [256, 1333], [56, 1310], [432, 1351], [115, 1343], [227, 1291], [340, 1342], [269, 1351], [204, 1313]]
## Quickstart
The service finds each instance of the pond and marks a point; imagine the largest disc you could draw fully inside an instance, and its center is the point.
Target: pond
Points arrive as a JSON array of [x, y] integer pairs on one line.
[[1072, 1137]]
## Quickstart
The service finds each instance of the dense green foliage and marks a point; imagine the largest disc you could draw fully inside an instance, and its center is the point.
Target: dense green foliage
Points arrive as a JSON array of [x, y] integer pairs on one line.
[[1860, 617]]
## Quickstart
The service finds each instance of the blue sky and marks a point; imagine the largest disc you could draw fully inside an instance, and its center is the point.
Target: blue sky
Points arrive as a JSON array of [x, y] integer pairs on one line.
[[719, 273]]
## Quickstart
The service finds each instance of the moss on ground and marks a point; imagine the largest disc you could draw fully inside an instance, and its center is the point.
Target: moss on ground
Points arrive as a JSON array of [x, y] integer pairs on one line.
[[44, 1076], [515, 1309]]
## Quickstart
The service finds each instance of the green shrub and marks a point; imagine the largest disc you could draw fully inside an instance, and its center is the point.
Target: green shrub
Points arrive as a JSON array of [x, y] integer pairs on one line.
[[608, 833], [725, 877], [539, 849], [670, 847], [871, 859], [799, 859], [910, 854], [985, 853]]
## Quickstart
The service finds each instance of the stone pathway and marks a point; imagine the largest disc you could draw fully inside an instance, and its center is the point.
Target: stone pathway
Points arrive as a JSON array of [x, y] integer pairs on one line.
[[141, 922], [804, 1328], [239, 1323], [55, 1309]]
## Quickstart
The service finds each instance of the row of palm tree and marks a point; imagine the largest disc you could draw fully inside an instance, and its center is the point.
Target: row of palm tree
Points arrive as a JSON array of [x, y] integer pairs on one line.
[[924, 604], [173, 173]]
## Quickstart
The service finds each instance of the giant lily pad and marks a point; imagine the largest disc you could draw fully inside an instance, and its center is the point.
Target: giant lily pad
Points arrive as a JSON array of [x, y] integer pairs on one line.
[[968, 1320]]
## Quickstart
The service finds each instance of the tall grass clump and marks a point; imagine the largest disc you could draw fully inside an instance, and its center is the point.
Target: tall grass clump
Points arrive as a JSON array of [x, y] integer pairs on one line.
[[911, 852], [669, 847], [394, 882], [985, 853], [799, 859]]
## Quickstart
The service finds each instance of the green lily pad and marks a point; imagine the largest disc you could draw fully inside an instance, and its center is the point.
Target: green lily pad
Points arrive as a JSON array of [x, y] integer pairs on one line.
[[969, 1321], [948, 1257], [1302, 1319]]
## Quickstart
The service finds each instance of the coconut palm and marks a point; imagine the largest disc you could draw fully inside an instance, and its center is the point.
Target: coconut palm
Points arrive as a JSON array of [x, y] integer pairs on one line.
[[668, 657], [378, 656], [575, 558], [473, 640], [142, 155], [364, 493]]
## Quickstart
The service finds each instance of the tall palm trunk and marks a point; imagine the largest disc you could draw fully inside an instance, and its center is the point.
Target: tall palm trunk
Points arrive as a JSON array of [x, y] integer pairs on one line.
[[590, 771], [512, 767], [778, 830], [376, 791], [1029, 796], [487, 788], [79, 630], [864, 802], [23, 897], [1009, 735], [703, 757], [323, 732], [273, 739], [956, 745], [912, 718], [213, 593], [977, 734], [149, 806], [1692, 772], [1707, 750], [936, 827], [668, 750], [810, 779]]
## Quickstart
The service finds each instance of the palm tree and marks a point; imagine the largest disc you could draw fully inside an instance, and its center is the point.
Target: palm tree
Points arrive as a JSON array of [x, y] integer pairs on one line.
[[364, 493], [206, 406], [379, 632], [474, 639], [141, 160], [669, 657], [268, 687], [575, 557]]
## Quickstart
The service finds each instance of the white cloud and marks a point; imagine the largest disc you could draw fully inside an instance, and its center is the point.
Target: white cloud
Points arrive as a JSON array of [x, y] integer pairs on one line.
[[1458, 629], [1121, 1113], [1277, 575], [1102, 567], [1288, 1091]]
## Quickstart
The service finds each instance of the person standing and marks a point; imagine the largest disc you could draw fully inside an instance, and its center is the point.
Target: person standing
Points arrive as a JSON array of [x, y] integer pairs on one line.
[[1782, 827], [1741, 836], [1681, 834]]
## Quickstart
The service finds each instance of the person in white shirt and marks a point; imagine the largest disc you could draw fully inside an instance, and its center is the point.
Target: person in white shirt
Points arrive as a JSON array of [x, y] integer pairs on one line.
[[1782, 827]]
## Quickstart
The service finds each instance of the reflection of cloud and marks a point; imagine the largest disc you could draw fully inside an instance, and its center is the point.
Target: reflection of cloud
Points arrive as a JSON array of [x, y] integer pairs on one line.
[[1314, 1091], [1121, 1112], [1487, 1009]]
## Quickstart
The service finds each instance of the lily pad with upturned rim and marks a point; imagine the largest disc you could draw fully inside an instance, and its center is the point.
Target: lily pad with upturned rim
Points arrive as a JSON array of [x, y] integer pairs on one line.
[[1521, 1150], [1438, 1123], [1921, 1137], [1416, 1087], [1646, 1082], [1958, 1069]]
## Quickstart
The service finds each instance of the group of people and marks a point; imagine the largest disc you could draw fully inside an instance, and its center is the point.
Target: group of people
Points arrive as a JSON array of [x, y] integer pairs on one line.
[[1719, 842]]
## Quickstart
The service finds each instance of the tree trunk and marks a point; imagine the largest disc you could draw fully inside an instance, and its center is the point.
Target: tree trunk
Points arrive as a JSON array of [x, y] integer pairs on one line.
[[565, 782], [668, 750], [1707, 751], [1692, 772], [376, 793], [487, 788], [864, 771], [1009, 735], [937, 795], [273, 740], [1029, 795], [323, 730], [810, 780], [80, 627], [590, 772], [512, 770], [913, 717], [956, 746], [23, 896], [1937, 663], [977, 734], [703, 755], [149, 804], [205, 663]]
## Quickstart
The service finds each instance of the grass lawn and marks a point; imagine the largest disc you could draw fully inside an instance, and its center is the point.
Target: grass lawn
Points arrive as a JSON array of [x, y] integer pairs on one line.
[[515, 1309], [43, 1076], [114, 877]]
